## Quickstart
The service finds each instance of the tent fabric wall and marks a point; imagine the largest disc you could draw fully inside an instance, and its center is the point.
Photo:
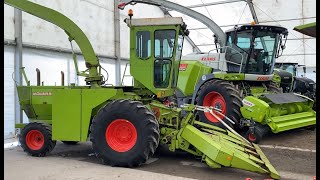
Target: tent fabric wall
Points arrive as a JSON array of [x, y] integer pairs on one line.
[[8, 92]]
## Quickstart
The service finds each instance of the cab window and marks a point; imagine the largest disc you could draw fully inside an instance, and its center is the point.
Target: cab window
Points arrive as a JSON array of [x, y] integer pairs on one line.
[[143, 44]]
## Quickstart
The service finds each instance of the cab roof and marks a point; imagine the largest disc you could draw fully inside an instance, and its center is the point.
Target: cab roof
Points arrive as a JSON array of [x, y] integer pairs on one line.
[[277, 29], [154, 21]]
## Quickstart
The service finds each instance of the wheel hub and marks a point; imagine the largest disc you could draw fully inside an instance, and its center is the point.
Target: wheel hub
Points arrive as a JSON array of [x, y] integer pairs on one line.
[[252, 137], [217, 101], [35, 139], [121, 135]]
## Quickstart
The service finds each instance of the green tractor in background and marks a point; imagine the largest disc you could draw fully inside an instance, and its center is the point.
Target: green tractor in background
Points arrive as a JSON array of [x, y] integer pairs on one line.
[[238, 81], [242, 69], [288, 72], [127, 123], [291, 82]]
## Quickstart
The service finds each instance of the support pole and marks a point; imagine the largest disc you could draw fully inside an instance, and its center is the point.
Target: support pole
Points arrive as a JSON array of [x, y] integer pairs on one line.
[[253, 12], [17, 62], [117, 42]]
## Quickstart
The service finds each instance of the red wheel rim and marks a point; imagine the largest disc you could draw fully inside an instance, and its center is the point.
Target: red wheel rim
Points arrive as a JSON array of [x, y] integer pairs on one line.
[[34, 139], [214, 99], [121, 135], [251, 137]]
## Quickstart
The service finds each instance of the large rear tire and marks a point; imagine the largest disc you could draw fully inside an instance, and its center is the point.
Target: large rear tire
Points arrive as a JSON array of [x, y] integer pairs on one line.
[[124, 133], [36, 139], [222, 95]]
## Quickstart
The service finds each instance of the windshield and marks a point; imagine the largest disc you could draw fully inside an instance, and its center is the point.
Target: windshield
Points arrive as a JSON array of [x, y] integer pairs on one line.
[[256, 50], [164, 42], [287, 67]]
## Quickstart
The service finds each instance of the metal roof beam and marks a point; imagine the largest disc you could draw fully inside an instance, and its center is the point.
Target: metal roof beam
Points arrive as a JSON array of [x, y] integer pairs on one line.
[[213, 3], [195, 48], [280, 20], [253, 12]]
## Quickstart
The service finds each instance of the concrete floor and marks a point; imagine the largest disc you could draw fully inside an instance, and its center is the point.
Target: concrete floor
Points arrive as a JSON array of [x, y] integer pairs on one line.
[[293, 156]]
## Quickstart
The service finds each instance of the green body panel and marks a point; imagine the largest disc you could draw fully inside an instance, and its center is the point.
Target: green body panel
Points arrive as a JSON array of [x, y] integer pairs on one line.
[[276, 78], [307, 29], [70, 108], [66, 120], [279, 117], [90, 102], [192, 72], [229, 76], [191, 75]]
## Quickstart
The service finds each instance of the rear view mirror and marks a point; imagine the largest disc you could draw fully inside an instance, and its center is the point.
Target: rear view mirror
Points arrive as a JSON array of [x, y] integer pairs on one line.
[[304, 69]]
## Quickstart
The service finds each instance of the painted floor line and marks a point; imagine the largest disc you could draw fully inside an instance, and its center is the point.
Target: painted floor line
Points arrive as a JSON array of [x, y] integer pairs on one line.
[[287, 148], [291, 175]]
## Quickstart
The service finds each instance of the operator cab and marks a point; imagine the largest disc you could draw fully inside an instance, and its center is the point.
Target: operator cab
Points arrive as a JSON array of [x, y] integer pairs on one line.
[[155, 53], [253, 48], [289, 67]]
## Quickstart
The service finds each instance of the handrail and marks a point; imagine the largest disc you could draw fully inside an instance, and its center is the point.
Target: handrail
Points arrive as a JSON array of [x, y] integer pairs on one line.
[[226, 60]]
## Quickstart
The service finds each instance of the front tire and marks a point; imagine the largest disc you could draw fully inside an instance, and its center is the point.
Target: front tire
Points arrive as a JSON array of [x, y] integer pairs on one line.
[[36, 139], [222, 95], [273, 87], [124, 133]]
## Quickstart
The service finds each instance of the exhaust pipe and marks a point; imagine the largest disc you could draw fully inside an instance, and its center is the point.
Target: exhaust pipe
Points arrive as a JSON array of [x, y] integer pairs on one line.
[[38, 77], [62, 78]]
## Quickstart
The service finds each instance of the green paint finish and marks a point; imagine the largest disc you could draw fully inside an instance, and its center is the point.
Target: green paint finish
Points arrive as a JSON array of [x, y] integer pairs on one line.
[[218, 151], [258, 90], [255, 109], [292, 121], [142, 68], [20, 125], [91, 98], [211, 163], [73, 110], [276, 78], [273, 173], [230, 76], [191, 75], [279, 117], [201, 141], [66, 117]]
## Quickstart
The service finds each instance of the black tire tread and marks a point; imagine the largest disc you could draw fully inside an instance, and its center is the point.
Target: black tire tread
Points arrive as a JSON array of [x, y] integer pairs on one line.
[[149, 121], [236, 101], [47, 132]]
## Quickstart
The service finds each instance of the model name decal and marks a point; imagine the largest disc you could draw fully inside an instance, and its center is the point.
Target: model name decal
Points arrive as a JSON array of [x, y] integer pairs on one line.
[[262, 78], [208, 59], [247, 103], [42, 94]]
